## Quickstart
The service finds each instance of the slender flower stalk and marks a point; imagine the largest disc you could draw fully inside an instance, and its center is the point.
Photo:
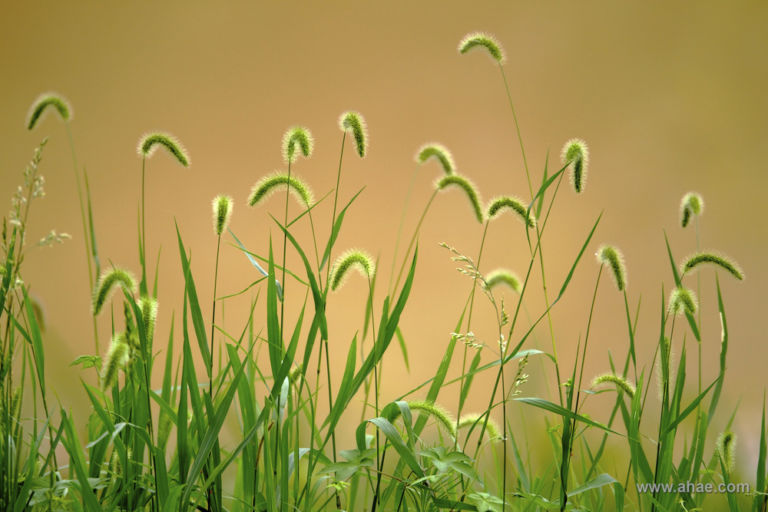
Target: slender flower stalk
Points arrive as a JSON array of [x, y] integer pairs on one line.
[[222, 213]]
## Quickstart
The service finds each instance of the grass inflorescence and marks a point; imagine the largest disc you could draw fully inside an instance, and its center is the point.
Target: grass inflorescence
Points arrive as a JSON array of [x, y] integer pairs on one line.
[[462, 183], [45, 102], [267, 185]]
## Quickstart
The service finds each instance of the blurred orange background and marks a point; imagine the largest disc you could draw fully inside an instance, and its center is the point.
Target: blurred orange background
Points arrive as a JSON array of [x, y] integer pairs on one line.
[[670, 97]]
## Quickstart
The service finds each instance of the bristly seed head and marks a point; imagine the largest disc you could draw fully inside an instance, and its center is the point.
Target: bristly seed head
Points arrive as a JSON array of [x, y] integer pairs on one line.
[[106, 284], [354, 122], [499, 204], [576, 155], [618, 380], [41, 104], [150, 141], [611, 256], [117, 358], [468, 188], [352, 258], [442, 416], [297, 136], [691, 204], [148, 307], [682, 300], [708, 257], [726, 448], [269, 184], [222, 212], [481, 39], [440, 153], [491, 429], [502, 276]]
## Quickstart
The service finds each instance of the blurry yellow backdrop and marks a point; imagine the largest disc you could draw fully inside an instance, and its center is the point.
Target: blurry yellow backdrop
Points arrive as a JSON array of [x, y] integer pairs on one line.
[[670, 97]]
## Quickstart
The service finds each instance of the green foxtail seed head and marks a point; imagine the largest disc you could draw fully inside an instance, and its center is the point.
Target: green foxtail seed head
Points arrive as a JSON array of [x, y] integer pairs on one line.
[[354, 122], [106, 284], [620, 382], [726, 448], [491, 429], [269, 184], [297, 136], [222, 212], [708, 257], [611, 256], [481, 39], [117, 358], [441, 415], [40, 107], [468, 188], [148, 307], [150, 142], [576, 155], [502, 276], [691, 204], [438, 152], [499, 204], [682, 300], [358, 259]]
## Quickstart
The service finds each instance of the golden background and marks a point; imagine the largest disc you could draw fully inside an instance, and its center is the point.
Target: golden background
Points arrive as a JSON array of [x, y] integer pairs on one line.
[[670, 97]]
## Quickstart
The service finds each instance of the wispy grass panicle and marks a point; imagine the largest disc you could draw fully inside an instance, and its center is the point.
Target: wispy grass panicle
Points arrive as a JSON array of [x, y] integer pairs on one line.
[[609, 255], [469, 189], [576, 155], [726, 449], [693, 262], [499, 204], [106, 283], [682, 300], [618, 380], [353, 258], [297, 138], [482, 40], [691, 204], [149, 143], [491, 428], [117, 358], [269, 184], [354, 122], [40, 107], [442, 416], [439, 153], [222, 212], [502, 276]]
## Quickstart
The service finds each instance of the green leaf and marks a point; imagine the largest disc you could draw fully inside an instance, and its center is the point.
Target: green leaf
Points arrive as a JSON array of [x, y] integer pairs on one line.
[[565, 413]]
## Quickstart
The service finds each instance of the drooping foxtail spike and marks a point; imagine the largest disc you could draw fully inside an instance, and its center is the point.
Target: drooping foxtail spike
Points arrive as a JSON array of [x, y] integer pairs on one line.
[[354, 122], [151, 141], [41, 104]]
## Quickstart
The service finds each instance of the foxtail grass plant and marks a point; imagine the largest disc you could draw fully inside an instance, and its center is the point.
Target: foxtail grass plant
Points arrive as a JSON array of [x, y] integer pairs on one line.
[[237, 422]]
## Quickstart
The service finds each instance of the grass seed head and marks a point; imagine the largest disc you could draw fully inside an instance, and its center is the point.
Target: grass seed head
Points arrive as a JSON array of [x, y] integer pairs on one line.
[[354, 122], [222, 212], [620, 382], [726, 448], [491, 429], [611, 256], [482, 40], [576, 155], [502, 276], [356, 258], [150, 142], [115, 276], [693, 262], [682, 300], [468, 188], [442, 416], [297, 136], [40, 107], [148, 307], [499, 204], [691, 204], [438, 152], [267, 185], [117, 358]]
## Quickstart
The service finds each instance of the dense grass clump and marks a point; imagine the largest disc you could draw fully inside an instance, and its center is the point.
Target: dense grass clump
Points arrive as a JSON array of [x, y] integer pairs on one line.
[[288, 404]]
